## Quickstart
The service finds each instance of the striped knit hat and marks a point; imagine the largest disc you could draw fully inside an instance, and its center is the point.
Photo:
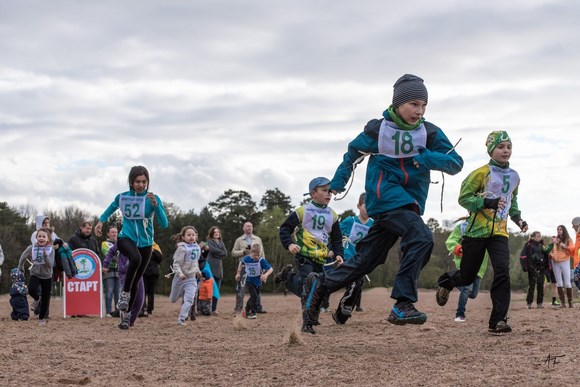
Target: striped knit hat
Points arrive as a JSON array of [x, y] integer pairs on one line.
[[495, 138], [407, 88]]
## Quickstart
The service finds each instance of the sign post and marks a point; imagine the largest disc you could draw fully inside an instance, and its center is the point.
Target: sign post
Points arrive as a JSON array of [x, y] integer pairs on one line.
[[83, 293]]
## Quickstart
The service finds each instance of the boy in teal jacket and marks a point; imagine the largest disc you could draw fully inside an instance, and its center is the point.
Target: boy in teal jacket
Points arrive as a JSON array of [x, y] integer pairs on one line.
[[403, 150]]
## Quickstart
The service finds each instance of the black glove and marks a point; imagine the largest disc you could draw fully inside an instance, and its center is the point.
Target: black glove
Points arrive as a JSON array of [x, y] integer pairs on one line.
[[491, 203], [524, 225]]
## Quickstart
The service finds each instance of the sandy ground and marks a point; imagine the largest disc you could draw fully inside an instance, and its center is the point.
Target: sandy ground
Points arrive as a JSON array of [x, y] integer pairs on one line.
[[543, 349]]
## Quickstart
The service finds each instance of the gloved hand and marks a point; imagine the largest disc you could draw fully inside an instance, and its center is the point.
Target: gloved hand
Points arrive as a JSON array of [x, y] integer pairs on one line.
[[491, 203], [458, 250]]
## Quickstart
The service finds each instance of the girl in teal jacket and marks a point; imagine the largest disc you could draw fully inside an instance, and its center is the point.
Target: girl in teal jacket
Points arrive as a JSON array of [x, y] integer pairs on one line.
[[135, 241]]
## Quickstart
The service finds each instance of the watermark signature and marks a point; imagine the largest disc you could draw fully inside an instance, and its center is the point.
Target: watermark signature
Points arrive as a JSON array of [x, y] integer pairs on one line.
[[552, 360]]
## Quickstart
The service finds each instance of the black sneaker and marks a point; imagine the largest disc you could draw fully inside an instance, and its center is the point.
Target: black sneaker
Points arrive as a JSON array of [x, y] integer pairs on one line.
[[281, 275], [307, 328], [339, 317], [405, 313], [125, 320], [316, 294], [442, 296], [500, 327]]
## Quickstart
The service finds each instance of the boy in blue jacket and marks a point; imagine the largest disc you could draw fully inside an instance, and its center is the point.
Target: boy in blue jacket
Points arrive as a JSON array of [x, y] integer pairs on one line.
[[403, 150]]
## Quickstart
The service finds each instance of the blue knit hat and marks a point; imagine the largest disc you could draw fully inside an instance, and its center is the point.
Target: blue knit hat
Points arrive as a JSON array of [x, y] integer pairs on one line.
[[407, 88]]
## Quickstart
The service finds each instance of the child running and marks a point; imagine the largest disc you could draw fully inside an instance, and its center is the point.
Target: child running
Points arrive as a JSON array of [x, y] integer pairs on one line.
[[490, 195], [41, 255], [453, 244], [354, 229], [307, 233], [403, 150], [135, 240], [257, 271], [186, 270]]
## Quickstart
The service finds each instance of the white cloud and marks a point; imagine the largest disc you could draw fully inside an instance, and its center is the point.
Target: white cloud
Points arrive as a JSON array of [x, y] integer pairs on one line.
[[252, 95]]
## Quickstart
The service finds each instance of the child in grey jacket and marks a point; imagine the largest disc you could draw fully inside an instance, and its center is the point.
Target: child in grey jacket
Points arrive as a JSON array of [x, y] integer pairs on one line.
[[41, 255], [186, 270]]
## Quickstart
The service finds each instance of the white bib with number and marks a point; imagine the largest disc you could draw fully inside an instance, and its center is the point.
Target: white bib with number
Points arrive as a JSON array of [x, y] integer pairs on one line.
[[39, 253], [318, 222], [502, 183], [357, 232], [192, 251], [132, 207], [253, 269], [397, 143]]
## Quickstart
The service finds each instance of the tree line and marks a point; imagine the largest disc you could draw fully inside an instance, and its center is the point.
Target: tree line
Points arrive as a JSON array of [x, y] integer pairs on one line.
[[229, 212]]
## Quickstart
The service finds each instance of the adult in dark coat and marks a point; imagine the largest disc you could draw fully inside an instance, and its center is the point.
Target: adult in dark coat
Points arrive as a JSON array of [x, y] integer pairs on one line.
[[216, 252], [83, 239]]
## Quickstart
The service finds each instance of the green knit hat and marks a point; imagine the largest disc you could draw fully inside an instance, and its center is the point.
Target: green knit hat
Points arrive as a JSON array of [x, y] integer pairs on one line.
[[495, 138]]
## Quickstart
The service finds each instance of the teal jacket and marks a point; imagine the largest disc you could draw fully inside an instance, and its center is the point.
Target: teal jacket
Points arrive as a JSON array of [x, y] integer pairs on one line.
[[392, 182], [139, 231]]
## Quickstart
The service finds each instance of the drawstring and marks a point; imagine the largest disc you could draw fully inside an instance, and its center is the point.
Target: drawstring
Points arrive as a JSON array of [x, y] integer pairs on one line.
[[356, 162], [443, 175]]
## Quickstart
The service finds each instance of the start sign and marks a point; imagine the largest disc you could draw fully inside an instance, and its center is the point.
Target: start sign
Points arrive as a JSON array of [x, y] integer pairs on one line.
[[83, 293]]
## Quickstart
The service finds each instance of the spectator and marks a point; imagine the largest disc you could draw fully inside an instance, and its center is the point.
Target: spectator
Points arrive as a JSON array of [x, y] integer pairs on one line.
[[83, 239], [150, 278], [111, 282], [217, 251]]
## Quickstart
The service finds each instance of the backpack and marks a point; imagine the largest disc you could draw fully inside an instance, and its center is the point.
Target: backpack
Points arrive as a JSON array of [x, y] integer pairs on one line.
[[537, 257]]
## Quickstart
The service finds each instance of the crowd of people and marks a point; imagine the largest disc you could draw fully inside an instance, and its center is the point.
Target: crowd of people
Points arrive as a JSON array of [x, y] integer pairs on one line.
[[330, 254]]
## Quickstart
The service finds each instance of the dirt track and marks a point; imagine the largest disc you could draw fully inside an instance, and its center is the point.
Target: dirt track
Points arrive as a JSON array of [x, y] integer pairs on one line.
[[222, 350]]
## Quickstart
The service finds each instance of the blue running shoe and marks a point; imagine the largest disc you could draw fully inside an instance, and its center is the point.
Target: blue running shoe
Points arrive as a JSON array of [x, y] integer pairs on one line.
[[404, 313]]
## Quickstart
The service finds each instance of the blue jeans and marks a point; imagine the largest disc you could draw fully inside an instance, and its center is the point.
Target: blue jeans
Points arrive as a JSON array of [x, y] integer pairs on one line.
[[466, 292], [111, 287]]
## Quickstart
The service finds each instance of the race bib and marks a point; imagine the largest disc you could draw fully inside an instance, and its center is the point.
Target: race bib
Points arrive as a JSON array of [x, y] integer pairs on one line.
[[318, 222], [253, 269], [358, 232], [192, 251], [132, 207], [397, 143], [40, 252], [501, 184]]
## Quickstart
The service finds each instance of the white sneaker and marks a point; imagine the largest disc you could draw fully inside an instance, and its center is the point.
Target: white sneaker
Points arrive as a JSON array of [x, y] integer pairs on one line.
[[108, 315], [459, 319], [181, 322]]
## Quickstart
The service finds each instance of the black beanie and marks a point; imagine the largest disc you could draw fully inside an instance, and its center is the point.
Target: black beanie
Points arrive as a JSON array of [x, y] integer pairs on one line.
[[407, 88]]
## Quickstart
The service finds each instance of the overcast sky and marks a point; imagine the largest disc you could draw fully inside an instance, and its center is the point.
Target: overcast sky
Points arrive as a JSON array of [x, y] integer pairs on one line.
[[253, 95]]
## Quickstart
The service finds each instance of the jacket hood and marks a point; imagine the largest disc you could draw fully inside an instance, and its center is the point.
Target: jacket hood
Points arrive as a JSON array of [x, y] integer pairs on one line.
[[39, 219]]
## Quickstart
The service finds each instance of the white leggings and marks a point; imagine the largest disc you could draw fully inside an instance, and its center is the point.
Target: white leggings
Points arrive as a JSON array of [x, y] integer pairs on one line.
[[562, 270]]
